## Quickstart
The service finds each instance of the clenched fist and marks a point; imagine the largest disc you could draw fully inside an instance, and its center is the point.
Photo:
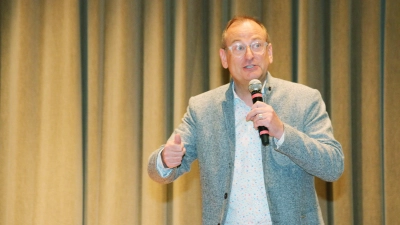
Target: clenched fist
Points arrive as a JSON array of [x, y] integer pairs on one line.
[[173, 152]]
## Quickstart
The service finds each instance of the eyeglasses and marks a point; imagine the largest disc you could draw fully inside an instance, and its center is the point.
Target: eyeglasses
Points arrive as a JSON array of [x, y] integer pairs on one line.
[[239, 48]]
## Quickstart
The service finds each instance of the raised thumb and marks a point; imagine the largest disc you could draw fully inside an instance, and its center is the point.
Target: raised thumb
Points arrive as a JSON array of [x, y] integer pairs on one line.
[[177, 139]]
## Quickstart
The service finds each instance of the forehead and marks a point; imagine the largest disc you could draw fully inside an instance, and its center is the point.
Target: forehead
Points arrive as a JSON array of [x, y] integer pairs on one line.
[[246, 30]]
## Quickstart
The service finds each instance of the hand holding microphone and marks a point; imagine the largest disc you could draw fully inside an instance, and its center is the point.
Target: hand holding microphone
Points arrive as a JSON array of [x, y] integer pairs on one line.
[[263, 115]]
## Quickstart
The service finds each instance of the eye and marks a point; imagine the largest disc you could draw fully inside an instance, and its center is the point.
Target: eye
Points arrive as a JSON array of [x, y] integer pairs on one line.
[[240, 47], [256, 45]]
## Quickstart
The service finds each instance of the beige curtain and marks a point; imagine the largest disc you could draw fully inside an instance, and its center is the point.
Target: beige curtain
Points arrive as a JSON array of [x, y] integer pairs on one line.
[[88, 89]]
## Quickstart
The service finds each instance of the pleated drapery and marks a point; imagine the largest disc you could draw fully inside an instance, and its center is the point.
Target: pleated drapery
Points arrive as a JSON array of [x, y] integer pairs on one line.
[[40, 109], [88, 89]]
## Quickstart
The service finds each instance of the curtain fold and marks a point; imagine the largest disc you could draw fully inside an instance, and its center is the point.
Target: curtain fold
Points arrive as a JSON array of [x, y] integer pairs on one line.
[[341, 208], [390, 119], [40, 108], [115, 98], [154, 205], [145, 60]]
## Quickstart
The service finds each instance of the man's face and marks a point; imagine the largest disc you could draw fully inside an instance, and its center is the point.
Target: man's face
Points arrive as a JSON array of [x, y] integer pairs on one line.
[[250, 65]]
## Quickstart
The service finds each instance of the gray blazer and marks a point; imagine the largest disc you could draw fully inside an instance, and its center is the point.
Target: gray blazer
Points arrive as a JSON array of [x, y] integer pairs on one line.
[[309, 149]]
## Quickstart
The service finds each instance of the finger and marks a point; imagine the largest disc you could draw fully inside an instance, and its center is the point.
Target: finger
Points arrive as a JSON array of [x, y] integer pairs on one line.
[[171, 159], [177, 139], [257, 108], [175, 159], [172, 164], [252, 115], [259, 104]]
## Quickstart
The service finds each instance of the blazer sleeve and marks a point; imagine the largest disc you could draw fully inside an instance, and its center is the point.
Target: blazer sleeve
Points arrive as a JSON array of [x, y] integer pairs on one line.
[[188, 134], [314, 148]]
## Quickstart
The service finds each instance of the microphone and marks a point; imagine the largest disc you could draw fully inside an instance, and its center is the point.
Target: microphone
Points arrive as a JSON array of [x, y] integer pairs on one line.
[[255, 87]]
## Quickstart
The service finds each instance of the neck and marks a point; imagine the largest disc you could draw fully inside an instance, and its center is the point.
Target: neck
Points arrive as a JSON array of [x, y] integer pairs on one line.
[[263, 78]]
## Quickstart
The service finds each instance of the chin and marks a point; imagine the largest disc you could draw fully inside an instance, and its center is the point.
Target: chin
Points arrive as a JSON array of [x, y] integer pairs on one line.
[[255, 76]]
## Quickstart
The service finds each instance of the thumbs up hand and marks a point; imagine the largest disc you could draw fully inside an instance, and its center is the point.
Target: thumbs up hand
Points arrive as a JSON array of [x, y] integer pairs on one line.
[[173, 152]]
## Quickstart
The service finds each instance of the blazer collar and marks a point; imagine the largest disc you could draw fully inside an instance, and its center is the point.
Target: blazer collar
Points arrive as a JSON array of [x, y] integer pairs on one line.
[[269, 83], [228, 110], [268, 88], [229, 118]]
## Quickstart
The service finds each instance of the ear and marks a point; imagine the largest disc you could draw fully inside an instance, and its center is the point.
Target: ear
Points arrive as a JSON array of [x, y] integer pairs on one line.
[[222, 55], [270, 56]]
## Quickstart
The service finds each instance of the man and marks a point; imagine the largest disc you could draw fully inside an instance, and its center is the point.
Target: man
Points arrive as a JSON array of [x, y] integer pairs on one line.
[[243, 181]]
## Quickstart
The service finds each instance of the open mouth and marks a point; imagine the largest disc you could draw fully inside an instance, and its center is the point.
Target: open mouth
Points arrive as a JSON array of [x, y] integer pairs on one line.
[[249, 66]]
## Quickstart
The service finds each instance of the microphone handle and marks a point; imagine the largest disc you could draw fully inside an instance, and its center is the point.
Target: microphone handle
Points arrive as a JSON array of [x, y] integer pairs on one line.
[[263, 131]]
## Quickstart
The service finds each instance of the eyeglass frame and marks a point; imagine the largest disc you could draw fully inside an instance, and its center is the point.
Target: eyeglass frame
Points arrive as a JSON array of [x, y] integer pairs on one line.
[[265, 44]]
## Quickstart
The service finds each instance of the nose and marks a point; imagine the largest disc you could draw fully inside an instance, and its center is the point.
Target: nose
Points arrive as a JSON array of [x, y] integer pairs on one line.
[[248, 54]]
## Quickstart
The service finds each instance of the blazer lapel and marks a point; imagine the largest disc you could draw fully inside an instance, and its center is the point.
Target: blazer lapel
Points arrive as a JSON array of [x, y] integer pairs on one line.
[[229, 119]]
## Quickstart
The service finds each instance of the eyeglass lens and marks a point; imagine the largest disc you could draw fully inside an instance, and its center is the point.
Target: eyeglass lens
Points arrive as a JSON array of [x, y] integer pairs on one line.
[[240, 48]]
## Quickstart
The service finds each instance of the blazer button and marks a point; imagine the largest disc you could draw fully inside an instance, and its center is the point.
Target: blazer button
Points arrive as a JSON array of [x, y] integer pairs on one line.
[[226, 195]]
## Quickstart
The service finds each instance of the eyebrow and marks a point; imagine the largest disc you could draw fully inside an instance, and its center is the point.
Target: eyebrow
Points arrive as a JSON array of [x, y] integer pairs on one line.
[[237, 40]]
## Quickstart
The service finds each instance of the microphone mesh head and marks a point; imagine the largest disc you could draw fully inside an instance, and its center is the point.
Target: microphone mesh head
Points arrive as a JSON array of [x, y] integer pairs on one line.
[[255, 85]]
